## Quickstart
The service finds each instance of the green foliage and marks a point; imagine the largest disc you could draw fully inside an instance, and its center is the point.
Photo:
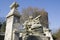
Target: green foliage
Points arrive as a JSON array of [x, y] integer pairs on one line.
[[57, 35], [3, 26], [54, 37], [0, 26]]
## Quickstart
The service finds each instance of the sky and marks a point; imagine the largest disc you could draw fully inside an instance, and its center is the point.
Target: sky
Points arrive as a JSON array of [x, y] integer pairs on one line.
[[51, 6]]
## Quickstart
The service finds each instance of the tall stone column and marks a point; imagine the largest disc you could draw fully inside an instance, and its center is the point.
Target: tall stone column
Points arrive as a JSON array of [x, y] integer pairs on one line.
[[12, 17]]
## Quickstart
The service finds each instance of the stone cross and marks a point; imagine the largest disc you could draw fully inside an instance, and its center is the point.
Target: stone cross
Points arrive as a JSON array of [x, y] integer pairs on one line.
[[14, 5]]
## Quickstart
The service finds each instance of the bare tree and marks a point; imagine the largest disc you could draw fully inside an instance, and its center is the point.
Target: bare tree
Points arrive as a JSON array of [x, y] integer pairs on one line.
[[35, 12]]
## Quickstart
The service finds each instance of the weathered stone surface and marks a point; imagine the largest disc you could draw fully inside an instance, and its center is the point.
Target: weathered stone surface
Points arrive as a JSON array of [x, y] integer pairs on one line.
[[33, 29], [12, 18]]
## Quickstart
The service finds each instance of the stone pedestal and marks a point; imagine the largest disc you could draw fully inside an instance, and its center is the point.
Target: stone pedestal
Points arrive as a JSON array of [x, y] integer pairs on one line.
[[12, 18]]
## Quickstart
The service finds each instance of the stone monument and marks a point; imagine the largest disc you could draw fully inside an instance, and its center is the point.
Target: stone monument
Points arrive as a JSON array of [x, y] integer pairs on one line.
[[35, 31], [12, 18], [32, 28]]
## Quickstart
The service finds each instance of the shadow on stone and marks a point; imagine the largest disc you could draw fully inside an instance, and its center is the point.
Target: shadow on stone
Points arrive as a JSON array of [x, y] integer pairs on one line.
[[32, 38]]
